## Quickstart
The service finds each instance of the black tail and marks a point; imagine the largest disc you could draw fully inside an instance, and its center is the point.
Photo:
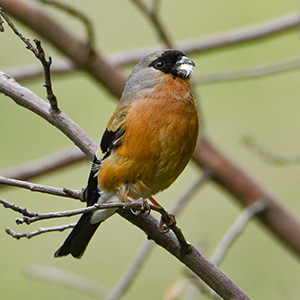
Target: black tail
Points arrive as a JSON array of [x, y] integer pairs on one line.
[[78, 239]]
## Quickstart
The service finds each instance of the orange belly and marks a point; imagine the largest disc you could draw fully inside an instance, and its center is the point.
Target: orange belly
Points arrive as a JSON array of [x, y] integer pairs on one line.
[[159, 140]]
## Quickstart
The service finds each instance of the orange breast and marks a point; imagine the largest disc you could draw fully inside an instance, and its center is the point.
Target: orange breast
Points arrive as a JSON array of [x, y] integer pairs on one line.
[[159, 140]]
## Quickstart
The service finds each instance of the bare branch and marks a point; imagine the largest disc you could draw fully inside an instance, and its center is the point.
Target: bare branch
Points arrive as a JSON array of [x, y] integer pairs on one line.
[[33, 217], [48, 85], [266, 155], [45, 25], [66, 279], [237, 228], [29, 100], [18, 235], [132, 271], [39, 53], [90, 34], [45, 165], [152, 14], [16, 208], [282, 222], [251, 73], [64, 66], [42, 188], [260, 32], [209, 273], [61, 66], [40, 22], [190, 191], [147, 246]]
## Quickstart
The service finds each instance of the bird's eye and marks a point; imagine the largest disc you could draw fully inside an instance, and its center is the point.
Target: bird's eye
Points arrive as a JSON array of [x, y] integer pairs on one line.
[[159, 64]]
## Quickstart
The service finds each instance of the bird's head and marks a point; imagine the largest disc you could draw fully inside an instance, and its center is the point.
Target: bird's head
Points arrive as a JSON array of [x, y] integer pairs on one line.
[[155, 68]]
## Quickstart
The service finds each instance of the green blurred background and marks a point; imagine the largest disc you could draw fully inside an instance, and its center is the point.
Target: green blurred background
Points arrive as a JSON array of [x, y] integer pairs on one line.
[[265, 108]]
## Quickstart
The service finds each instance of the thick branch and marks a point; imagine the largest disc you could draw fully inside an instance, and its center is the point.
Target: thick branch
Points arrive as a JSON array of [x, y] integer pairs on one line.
[[247, 191], [146, 248], [209, 273]]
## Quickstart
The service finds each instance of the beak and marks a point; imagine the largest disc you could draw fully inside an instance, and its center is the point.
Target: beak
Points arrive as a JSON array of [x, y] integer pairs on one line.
[[185, 60], [184, 67]]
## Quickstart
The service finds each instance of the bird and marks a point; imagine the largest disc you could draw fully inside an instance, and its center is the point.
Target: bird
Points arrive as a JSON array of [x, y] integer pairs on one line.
[[147, 143]]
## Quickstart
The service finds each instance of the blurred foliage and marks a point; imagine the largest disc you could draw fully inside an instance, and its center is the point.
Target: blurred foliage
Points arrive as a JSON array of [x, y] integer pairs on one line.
[[267, 109]]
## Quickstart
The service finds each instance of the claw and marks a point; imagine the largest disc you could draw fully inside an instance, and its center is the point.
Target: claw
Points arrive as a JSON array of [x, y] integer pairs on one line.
[[165, 224], [145, 207]]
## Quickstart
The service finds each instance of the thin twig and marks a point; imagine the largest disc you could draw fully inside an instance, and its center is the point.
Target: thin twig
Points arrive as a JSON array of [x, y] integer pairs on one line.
[[46, 65], [251, 73], [236, 230], [152, 14], [66, 279], [16, 208], [90, 33], [132, 271], [34, 187], [266, 155], [233, 233], [18, 235], [69, 213], [39, 53]]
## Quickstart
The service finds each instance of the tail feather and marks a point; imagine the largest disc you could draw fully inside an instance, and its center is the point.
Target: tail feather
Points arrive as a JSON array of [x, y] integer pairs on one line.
[[78, 239]]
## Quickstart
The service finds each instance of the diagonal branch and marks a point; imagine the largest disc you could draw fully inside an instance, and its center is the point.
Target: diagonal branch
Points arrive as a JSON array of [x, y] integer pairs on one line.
[[90, 34], [67, 279], [281, 222], [236, 230], [152, 14], [147, 246], [209, 273], [45, 165], [60, 120]]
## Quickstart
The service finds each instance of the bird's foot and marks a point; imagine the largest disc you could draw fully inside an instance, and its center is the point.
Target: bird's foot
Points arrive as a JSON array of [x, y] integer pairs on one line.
[[167, 222], [144, 206]]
